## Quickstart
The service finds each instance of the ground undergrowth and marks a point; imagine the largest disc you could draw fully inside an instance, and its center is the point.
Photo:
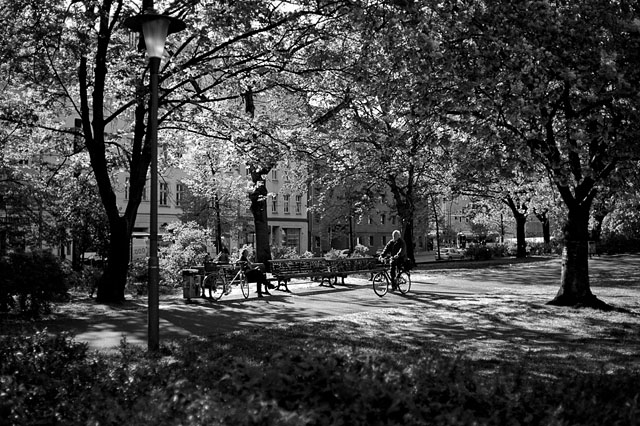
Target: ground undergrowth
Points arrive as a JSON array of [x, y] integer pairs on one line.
[[504, 357]]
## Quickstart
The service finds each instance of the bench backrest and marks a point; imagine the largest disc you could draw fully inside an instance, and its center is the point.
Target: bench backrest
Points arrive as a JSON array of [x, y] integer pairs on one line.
[[229, 270], [353, 264], [298, 266]]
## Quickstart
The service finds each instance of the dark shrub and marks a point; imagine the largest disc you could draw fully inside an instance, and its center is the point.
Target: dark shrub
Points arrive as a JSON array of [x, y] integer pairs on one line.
[[29, 282], [499, 250], [42, 377], [554, 247], [616, 244], [479, 253]]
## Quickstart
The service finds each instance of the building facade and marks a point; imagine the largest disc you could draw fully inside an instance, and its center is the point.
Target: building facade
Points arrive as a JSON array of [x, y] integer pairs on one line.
[[286, 212]]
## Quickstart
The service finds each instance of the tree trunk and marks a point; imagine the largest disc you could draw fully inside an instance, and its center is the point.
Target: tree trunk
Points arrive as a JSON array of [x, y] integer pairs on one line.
[[435, 216], [575, 289], [112, 283], [259, 210], [521, 242], [546, 227], [216, 202], [520, 215], [406, 211], [546, 230], [407, 232]]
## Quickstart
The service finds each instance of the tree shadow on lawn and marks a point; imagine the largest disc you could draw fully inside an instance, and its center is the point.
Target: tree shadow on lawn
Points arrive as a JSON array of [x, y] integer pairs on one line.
[[503, 320], [491, 332], [604, 271]]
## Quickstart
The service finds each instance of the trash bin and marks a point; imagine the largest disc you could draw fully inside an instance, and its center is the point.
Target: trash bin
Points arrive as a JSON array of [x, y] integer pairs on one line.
[[190, 283]]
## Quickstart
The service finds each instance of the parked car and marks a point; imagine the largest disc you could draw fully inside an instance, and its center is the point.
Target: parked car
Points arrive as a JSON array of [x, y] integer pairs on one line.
[[450, 254]]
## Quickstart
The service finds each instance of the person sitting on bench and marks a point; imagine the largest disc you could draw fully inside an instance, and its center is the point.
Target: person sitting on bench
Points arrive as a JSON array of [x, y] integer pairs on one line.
[[254, 273]]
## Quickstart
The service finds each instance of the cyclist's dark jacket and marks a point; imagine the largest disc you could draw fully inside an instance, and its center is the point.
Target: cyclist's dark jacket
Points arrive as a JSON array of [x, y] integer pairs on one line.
[[396, 248]]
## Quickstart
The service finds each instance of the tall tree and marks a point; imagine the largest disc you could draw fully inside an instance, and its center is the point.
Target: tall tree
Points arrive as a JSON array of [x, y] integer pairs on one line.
[[559, 80], [380, 110], [78, 59]]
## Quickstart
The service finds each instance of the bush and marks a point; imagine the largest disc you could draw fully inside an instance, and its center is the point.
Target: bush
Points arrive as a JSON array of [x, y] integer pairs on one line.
[[554, 247], [284, 253], [42, 377], [187, 246], [617, 244], [35, 279], [499, 250], [479, 253], [360, 251], [52, 380], [138, 277], [335, 254]]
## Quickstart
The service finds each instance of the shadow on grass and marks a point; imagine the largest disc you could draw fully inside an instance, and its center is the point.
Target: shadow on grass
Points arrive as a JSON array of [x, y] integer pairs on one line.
[[492, 314]]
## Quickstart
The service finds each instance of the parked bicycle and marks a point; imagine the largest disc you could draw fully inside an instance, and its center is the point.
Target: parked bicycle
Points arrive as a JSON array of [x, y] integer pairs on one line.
[[382, 279], [220, 280]]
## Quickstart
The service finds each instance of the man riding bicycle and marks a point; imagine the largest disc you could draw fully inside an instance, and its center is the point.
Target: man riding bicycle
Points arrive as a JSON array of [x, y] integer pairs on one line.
[[397, 249]]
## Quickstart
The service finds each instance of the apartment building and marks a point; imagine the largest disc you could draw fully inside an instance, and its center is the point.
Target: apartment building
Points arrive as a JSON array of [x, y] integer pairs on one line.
[[286, 212], [338, 227]]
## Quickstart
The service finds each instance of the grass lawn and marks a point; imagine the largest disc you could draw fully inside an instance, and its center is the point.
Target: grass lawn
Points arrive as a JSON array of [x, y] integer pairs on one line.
[[500, 357]]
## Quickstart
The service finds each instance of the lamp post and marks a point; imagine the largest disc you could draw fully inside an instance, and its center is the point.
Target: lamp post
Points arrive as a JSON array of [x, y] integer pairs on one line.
[[155, 28]]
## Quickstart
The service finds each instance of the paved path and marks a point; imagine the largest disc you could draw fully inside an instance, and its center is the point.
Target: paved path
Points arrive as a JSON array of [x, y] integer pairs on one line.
[[307, 301]]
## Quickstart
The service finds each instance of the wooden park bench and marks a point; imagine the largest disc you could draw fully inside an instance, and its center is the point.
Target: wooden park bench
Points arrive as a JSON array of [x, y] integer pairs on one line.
[[344, 266], [283, 270], [326, 270]]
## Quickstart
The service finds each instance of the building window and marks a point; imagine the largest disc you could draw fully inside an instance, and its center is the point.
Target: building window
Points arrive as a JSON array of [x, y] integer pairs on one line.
[[274, 174], [369, 220], [164, 194], [316, 239], [393, 219], [298, 204], [383, 219], [291, 237], [274, 203], [285, 203], [371, 242], [126, 188], [179, 194], [384, 240]]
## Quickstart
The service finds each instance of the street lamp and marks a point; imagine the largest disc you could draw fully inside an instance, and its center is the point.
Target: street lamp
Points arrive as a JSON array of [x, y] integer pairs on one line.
[[155, 29]]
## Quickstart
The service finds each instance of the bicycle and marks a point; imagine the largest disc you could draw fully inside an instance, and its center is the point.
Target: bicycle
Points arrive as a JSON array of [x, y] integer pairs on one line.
[[218, 284], [382, 279]]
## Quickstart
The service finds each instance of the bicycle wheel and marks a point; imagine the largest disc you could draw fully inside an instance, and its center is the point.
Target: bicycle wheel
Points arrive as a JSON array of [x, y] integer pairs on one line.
[[404, 282], [244, 285], [380, 283], [215, 283]]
